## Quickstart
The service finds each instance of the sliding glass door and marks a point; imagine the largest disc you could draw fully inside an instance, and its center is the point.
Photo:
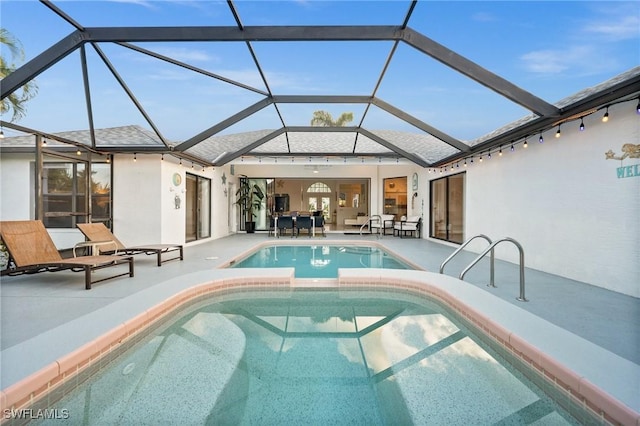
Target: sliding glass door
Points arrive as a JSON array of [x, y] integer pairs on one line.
[[198, 210], [447, 208]]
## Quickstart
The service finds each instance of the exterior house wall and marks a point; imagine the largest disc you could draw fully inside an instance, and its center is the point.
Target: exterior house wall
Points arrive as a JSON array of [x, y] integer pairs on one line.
[[16, 202], [138, 205], [564, 202]]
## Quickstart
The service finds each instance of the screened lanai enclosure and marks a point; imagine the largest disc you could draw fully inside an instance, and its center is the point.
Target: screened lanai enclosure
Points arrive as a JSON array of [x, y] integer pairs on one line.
[[214, 82], [315, 84]]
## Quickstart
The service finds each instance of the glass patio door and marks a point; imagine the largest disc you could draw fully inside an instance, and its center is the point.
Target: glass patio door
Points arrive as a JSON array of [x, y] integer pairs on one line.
[[447, 208], [198, 208]]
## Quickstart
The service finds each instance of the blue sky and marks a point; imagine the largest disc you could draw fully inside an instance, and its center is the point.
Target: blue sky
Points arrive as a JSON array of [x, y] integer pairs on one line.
[[549, 48]]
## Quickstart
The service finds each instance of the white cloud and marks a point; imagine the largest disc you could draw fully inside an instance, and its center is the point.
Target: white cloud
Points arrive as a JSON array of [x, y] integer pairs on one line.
[[619, 28], [613, 21], [578, 60]]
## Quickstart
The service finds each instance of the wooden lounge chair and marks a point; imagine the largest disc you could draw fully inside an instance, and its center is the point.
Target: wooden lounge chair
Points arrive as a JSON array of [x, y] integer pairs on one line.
[[99, 232], [32, 250]]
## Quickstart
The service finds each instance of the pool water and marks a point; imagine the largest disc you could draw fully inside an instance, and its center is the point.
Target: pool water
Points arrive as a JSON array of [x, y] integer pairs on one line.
[[320, 261], [312, 357]]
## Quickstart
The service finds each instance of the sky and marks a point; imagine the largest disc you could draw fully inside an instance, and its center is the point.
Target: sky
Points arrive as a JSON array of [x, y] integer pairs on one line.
[[552, 49]]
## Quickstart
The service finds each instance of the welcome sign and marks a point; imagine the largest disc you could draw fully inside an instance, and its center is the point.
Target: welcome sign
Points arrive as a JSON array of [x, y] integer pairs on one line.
[[629, 150]]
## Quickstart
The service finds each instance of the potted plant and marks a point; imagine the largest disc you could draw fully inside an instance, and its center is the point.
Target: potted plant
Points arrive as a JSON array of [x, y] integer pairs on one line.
[[4, 256], [249, 197]]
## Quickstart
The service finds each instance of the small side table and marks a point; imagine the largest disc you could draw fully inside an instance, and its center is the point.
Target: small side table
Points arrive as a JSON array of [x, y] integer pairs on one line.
[[93, 246]]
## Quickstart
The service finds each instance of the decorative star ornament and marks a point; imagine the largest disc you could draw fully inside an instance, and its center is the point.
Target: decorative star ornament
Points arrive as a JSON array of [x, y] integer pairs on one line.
[[224, 179]]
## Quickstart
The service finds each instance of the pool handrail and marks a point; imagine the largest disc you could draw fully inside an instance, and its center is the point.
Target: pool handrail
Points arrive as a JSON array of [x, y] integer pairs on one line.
[[368, 222], [492, 273], [521, 298]]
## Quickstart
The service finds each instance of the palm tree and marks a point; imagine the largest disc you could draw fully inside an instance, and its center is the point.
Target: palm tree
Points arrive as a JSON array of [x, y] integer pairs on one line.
[[15, 101], [323, 118]]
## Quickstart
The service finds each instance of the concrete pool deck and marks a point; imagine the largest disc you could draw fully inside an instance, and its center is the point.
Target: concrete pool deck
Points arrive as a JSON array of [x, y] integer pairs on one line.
[[36, 309]]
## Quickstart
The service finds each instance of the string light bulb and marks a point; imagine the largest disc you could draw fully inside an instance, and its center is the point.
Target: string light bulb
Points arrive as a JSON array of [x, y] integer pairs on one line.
[[134, 157], [44, 142], [525, 144], [1, 133], [512, 148], [500, 152], [558, 132], [638, 106], [181, 162], [540, 139], [78, 152], [581, 124], [605, 117]]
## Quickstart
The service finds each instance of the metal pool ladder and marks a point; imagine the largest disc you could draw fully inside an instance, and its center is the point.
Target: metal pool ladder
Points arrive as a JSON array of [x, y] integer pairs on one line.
[[491, 247], [368, 223]]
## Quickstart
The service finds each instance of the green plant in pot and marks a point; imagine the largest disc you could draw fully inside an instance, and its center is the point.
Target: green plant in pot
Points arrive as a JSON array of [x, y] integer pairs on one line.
[[249, 197]]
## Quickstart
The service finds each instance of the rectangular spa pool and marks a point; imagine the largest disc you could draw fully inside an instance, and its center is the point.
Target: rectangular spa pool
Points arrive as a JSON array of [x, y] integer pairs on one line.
[[320, 261]]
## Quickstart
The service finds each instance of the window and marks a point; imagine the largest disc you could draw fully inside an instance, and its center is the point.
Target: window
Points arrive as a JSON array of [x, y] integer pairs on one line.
[[318, 187], [395, 196], [66, 187]]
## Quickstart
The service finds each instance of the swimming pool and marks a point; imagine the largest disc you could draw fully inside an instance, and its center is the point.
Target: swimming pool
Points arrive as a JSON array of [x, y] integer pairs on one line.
[[311, 357], [320, 261]]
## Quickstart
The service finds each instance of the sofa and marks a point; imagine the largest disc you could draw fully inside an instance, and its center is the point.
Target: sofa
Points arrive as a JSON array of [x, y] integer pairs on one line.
[[358, 221]]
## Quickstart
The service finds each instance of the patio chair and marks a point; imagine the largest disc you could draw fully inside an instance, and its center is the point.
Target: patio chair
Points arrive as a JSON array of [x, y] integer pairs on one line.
[[32, 250], [382, 224], [303, 222], [319, 223], [410, 225], [284, 223], [99, 232]]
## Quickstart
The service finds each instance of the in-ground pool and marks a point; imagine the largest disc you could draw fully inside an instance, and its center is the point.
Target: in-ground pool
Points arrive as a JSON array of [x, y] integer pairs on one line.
[[320, 261], [311, 357]]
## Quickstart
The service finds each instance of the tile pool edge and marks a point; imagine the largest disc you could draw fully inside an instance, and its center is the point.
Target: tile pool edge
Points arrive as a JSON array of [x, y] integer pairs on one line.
[[454, 293]]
